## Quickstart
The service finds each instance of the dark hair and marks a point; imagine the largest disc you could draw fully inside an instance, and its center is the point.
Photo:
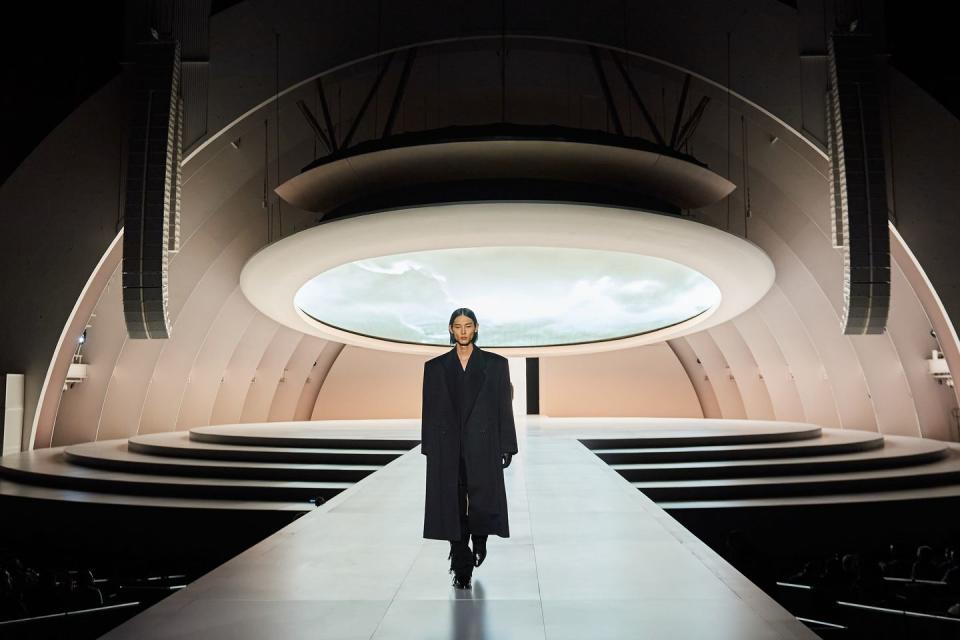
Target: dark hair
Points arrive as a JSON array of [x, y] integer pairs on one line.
[[463, 311]]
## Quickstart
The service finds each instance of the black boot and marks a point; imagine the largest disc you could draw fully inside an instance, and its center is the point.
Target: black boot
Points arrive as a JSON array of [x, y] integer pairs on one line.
[[461, 580], [461, 564], [479, 549]]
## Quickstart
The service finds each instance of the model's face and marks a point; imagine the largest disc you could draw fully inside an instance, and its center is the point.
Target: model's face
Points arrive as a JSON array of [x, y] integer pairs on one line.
[[463, 329]]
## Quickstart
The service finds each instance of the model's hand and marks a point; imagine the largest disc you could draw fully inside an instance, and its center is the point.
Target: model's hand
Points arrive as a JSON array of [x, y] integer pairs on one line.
[[506, 459], [479, 549]]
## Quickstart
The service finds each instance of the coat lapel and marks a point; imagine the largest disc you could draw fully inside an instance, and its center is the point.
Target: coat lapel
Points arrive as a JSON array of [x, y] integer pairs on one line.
[[476, 375]]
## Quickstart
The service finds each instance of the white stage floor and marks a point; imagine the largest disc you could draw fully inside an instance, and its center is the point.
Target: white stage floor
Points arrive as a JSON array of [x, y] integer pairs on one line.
[[590, 557]]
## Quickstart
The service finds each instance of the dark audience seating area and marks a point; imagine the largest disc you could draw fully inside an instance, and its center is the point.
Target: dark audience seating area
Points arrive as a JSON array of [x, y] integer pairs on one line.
[[71, 602], [897, 591]]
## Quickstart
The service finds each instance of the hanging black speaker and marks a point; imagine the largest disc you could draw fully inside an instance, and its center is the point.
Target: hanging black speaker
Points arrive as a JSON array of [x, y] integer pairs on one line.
[[858, 182], [151, 215]]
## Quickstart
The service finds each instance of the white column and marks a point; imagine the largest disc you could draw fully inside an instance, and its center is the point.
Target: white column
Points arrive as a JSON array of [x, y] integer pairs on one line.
[[13, 413], [518, 377]]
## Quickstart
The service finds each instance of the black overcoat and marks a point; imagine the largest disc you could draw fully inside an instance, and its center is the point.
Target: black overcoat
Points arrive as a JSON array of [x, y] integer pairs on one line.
[[487, 432]]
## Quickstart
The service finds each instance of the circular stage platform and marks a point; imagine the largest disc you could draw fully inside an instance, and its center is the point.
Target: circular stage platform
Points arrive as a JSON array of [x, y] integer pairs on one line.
[[679, 463]]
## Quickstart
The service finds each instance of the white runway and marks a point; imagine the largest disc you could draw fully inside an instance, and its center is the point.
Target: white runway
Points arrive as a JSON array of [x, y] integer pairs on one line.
[[589, 557]]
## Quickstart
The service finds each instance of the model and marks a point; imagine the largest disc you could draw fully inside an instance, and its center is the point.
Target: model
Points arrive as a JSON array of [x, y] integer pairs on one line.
[[469, 438]]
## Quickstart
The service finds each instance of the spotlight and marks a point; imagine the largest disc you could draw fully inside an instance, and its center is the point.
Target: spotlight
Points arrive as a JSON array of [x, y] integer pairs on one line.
[[937, 366], [83, 337]]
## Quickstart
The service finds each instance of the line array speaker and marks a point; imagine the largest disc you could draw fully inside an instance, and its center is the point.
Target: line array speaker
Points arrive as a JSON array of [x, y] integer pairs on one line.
[[858, 182], [151, 215]]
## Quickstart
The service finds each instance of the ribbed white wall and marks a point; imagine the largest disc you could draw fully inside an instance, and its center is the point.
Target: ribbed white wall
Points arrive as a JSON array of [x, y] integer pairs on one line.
[[784, 359]]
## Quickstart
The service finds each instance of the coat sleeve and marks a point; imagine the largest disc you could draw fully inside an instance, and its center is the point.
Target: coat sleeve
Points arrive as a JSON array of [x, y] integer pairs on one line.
[[426, 440], [508, 431]]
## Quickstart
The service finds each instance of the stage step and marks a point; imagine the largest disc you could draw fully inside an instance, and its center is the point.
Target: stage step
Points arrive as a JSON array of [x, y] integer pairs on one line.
[[115, 456], [830, 442], [709, 432], [945, 471], [713, 463], [895, 453], [50, 467], [51, 495], [179, 445], [283, 435], [945, 492]]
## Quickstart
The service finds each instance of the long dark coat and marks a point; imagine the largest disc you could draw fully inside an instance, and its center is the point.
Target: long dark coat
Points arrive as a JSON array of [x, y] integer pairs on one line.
[[487, 432]]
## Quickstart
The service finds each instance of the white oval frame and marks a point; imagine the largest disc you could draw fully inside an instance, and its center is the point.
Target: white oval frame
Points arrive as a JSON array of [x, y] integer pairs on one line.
[[271, 278]]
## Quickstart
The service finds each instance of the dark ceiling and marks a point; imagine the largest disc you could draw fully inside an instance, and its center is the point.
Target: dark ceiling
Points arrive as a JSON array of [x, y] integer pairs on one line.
[[56, 57]]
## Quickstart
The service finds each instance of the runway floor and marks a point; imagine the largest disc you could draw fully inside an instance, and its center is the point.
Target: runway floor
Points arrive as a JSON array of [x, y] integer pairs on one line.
[[589, 557]]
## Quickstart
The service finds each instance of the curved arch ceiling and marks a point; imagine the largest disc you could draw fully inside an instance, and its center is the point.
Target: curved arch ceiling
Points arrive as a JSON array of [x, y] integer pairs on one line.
[[783, 355]]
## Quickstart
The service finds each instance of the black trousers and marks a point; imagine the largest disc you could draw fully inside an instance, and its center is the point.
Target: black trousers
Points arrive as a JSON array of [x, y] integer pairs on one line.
[[463, 500], [461, 557]]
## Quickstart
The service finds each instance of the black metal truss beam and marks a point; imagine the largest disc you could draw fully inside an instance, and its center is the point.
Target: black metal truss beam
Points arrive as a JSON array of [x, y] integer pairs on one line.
[[602, 76]]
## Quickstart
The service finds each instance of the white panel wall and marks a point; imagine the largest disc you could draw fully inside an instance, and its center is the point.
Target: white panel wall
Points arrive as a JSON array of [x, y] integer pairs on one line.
[[643, 381], [364, 383]]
